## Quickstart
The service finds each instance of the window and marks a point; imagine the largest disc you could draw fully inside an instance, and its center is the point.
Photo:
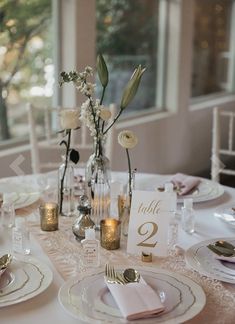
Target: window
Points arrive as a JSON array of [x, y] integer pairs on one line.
[[127, 35], [26, 65], [213, 53]]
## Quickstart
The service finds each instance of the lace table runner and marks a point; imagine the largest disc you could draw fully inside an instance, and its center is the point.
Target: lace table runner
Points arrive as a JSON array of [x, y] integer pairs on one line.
[[66, 254]]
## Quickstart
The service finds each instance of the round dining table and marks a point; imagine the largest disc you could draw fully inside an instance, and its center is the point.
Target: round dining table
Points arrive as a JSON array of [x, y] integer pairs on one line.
[[59, 251]]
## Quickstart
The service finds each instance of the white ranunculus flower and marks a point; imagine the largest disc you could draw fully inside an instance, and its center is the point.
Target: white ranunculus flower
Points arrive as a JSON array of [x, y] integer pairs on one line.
[[127, 139], [69, 118], [105, 114]]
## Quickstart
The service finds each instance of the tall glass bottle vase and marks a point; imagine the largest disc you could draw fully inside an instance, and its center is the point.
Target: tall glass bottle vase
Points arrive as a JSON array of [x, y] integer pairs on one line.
[[66, 188], [126, 205], [98, 178]]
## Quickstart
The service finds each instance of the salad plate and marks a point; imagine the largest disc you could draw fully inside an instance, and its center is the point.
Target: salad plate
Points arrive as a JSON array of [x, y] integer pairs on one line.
[[24, 279], [89, 299]]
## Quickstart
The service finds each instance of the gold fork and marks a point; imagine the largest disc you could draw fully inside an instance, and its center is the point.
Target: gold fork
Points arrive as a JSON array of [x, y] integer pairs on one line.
[[112, 276]]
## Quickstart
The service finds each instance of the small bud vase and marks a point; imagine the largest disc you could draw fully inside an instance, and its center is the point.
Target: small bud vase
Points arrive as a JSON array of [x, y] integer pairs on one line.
[[125, 204], [66, 188], [98, 183]]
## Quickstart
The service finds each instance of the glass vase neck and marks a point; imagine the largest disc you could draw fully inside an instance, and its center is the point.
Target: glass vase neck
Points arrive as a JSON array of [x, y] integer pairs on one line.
[[99, 147]]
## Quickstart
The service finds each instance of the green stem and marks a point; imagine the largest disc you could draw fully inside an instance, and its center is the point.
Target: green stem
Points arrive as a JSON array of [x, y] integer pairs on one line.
[[65, 168], [129, 171], [113, 122], [102, 96]]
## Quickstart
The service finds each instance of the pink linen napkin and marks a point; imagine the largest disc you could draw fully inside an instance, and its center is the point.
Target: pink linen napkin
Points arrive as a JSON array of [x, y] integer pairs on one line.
[[224, 258], [136, 300], [185, 183]]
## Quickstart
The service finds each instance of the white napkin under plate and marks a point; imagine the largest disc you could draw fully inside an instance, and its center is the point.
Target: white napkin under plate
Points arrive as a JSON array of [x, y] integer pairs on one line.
[[136, 300]]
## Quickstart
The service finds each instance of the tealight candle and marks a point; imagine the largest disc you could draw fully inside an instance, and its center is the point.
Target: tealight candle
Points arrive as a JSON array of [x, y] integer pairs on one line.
[[110, 232], [49, 213]]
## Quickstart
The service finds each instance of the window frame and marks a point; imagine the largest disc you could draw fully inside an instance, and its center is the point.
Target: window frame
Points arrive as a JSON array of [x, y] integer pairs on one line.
[[221, 97], [175, 45]]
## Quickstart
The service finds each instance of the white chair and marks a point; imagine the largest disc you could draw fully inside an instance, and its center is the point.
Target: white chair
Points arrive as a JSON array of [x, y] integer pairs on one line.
[[222, 118], [42, 145]]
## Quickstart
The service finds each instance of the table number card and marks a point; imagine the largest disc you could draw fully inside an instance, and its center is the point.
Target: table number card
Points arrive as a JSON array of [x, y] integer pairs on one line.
[[149, 222]]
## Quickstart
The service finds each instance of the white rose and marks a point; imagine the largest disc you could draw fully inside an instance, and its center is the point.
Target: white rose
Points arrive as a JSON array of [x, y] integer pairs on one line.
[[105, 114], [127, 139], [69, 118]]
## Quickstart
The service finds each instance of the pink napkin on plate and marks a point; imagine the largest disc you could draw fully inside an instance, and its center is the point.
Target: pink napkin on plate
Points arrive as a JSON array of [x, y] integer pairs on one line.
[[224, 258], [136, 300], [185, 183]]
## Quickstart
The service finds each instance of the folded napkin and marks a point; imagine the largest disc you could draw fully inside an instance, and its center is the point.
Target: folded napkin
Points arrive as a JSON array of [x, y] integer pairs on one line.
[[2, 271], [224, 258], [136, 300], [184, 183]]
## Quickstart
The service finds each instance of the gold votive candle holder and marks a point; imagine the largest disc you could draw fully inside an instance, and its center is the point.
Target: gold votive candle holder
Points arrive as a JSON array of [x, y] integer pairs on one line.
[[49, 216], [110, 233]]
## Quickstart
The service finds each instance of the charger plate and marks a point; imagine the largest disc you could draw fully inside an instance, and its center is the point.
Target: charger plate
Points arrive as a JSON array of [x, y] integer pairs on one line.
[[89, 299], [200, 258], [21, 195], [24, 279]]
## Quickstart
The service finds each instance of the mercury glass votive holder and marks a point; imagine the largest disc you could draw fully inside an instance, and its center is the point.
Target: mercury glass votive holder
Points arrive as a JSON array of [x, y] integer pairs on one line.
[[49, 216], [110, 233]]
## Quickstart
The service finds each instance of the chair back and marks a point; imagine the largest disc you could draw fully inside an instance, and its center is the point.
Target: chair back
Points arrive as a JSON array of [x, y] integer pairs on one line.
[[223, 127]]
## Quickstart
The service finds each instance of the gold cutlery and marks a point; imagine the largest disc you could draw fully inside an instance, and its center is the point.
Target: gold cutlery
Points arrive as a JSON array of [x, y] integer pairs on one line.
[[127, 276], [112, 276], [131, 275], [223, 248], [5, 260]]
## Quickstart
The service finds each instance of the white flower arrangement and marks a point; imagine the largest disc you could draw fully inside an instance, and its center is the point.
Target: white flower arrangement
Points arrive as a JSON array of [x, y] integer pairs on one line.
[[96, 117]]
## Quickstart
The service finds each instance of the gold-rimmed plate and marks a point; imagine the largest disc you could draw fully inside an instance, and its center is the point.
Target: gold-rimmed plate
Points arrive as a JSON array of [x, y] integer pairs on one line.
[[206, 190], [202, 259], [25, 278], [87, 298]]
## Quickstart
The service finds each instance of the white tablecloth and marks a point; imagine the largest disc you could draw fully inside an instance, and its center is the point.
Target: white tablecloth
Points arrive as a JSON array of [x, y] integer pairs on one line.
[[46, 307]]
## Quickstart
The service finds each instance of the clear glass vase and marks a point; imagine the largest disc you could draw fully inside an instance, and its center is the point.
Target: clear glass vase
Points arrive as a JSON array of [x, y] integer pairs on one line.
[[66, 188], [98, 178], [124, 213]]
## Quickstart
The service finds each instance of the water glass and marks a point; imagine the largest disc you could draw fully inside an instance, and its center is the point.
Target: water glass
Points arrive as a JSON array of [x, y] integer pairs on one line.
[[8, 215]]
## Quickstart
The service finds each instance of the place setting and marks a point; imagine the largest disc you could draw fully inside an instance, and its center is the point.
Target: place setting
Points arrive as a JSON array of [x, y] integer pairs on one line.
[[185, 186], [22, 278], [145, 294], [157, 296], [214, 258]]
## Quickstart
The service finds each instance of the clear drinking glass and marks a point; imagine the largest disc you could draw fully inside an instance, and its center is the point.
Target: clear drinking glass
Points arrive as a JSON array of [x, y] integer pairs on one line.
[[8, 215]]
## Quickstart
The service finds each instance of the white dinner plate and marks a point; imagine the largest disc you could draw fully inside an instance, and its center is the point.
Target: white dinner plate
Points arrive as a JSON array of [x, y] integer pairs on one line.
[[226, 214], [89, 299], [24, 279], [21, 195], [202, 259], [205, 191]]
